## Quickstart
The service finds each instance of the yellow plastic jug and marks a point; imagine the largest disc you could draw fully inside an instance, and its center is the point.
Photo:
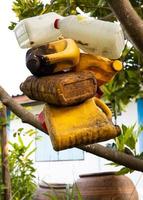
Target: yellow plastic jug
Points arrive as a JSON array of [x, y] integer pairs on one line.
[[82, 124], [103, 68], [57, 56]]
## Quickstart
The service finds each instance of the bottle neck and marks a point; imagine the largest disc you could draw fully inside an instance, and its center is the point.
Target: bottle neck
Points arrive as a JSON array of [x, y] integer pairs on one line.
[[56, 23]]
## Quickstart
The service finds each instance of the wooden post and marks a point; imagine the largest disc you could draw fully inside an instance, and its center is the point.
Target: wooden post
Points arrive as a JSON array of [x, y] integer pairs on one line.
[[4, 147]]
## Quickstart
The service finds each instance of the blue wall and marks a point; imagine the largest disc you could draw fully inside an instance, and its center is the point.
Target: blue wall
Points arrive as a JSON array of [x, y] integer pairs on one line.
[[140, 121]]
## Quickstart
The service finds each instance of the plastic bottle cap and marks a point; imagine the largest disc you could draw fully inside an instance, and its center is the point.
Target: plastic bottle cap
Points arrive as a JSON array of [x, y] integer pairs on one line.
[[56, 23], [117, 65]]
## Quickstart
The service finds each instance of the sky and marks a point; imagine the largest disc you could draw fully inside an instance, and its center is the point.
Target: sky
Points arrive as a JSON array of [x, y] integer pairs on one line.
[[13, 70]]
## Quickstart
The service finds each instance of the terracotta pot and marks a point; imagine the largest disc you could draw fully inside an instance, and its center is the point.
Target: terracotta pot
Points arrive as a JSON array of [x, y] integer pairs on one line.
[[106, 186]]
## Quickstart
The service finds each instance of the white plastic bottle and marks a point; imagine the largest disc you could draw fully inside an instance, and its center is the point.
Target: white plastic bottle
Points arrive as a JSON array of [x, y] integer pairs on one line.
[[93, 36], [36, 31]]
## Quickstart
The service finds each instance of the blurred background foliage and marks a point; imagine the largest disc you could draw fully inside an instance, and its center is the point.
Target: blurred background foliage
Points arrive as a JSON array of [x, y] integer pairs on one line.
[[21, 166], [127, 84], [1, 179], [127, 143]]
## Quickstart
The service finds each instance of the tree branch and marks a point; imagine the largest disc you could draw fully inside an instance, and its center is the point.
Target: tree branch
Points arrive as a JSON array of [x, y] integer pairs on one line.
[[96, 149], [130, 21], [4, 155], [115, 156], [22, 113]]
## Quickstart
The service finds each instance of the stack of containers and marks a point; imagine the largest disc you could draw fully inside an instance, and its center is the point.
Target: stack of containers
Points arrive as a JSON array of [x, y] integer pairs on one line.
[[66, 79]]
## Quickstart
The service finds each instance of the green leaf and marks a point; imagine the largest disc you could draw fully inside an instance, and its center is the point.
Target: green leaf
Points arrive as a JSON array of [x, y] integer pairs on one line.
[[119, 141], [37, 138], [29, 145], [124, 128], [123, 171], [20, 141], [31, 152], [129, 132], [12, 25], [14, 134], [113, 164], [31, 132], [12, 144], [18, 132], [131, 142]]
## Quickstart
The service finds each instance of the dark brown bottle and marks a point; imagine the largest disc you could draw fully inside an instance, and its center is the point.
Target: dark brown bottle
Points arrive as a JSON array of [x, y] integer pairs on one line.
[[55, 57], [37, 64]]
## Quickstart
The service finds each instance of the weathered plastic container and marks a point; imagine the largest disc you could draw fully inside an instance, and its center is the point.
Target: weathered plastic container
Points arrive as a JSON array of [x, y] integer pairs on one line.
[[93, 36], [82, 124], [36, 31], [103, 68], [58, 56], [61, 89]]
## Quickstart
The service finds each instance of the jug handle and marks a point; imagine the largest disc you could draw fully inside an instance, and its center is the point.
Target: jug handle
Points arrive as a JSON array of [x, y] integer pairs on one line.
[[103, 107]]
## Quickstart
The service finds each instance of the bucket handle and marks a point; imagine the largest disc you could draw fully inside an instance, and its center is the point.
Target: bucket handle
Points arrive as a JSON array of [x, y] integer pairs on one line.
[[103, 107]]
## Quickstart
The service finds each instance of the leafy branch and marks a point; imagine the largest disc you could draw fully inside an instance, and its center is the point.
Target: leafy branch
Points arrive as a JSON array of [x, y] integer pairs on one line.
[[127, 84], [21, 166], [126, 142]]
